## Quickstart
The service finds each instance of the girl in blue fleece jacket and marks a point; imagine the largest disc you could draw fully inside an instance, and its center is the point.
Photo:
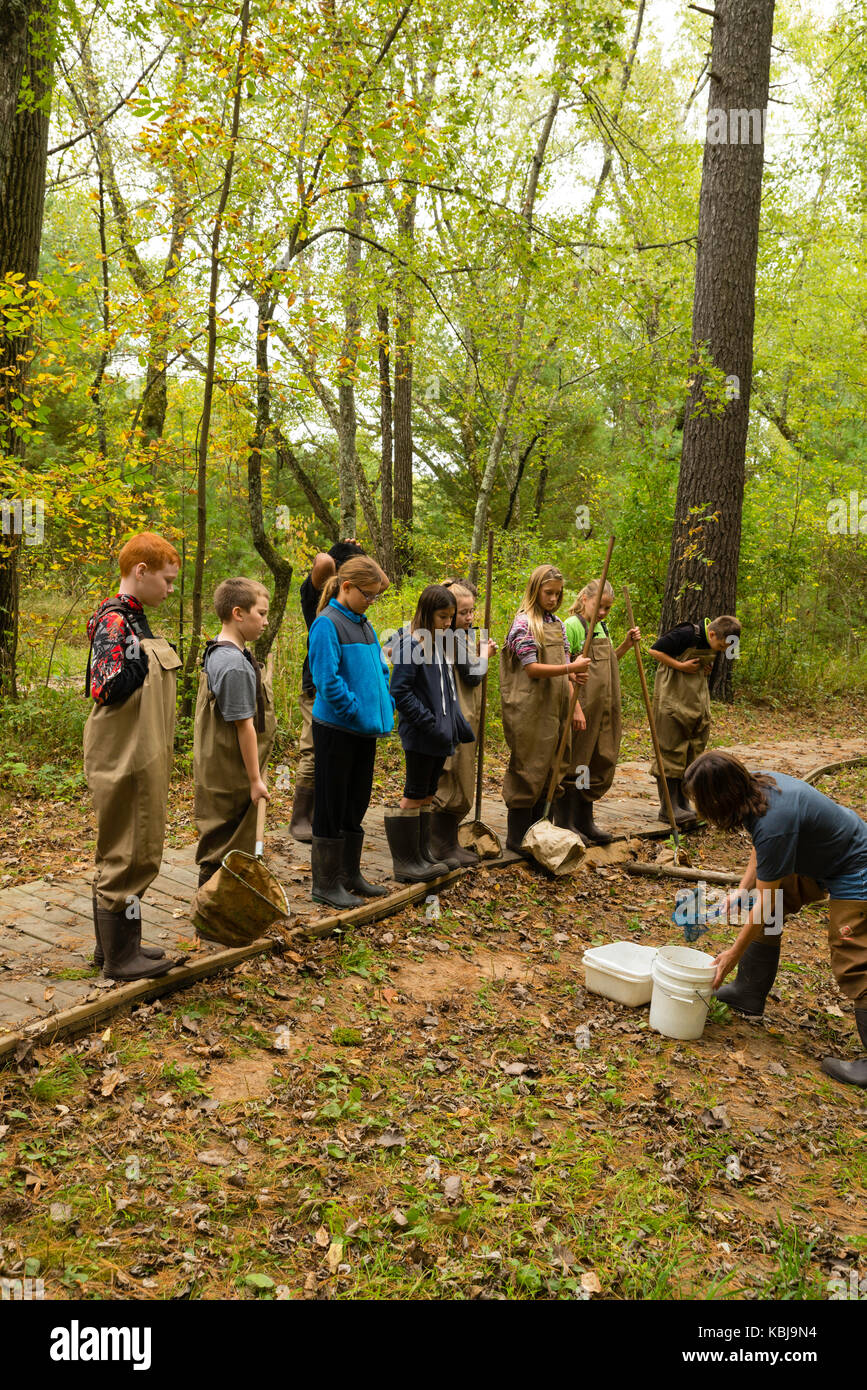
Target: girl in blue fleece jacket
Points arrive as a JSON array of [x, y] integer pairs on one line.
[[431, 726], [352, 709]]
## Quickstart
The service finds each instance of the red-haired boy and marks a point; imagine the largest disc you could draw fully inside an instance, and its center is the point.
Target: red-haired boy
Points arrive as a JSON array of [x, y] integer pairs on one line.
[[128, 743]]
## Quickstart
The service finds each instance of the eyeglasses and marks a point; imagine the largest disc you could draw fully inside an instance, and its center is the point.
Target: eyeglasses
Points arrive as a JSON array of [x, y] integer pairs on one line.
[[369, 597]]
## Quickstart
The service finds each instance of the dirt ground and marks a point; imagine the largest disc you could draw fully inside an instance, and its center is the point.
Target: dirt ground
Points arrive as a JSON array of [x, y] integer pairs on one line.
[[407, 1112]]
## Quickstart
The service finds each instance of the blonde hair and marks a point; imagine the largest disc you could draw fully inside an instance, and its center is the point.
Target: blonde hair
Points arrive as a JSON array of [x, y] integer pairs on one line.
[[589, 592], [237, 593], [359, 570], [542, 574]]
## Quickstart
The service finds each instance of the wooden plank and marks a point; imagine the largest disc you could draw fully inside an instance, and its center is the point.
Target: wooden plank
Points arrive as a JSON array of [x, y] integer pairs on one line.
[[83, 1016], [35, 928]]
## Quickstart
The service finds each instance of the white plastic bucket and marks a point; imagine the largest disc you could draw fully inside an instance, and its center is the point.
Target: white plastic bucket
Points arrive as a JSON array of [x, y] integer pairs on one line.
[[620, 970], [682, 982]]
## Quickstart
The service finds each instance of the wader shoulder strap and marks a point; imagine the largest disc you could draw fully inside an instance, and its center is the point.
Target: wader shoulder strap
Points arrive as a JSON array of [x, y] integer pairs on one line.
[[258, 668]]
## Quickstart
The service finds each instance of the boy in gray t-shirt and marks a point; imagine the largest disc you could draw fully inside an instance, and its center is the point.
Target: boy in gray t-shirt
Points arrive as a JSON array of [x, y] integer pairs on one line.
[[235, 728]]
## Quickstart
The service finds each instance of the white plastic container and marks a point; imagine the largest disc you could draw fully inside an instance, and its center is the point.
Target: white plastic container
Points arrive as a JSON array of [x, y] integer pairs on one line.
[[682, 983], [620, 970]]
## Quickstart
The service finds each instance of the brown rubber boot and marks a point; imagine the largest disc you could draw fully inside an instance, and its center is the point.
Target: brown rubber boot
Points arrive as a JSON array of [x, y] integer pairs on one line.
[[301, 824]]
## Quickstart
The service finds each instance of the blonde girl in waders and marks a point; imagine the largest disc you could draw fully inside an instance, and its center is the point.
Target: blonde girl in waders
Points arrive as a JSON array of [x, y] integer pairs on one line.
[[535, 673], [235, 727], [128, 744], [681, 702], [456, 786], [596, 747]]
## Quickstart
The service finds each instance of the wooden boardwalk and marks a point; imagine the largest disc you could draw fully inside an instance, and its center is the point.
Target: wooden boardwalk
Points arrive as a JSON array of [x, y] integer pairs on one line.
[[46, 927]]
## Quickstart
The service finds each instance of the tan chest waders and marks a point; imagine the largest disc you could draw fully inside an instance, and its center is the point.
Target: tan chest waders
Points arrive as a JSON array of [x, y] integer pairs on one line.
[[225, 815], [457, 784], [597, 747], [127, 763], [533, 715], [681, 709]]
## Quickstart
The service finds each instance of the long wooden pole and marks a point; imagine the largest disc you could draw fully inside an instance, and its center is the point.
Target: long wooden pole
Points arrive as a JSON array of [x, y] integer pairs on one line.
[[653, 734], [489, 575], [555, 770]]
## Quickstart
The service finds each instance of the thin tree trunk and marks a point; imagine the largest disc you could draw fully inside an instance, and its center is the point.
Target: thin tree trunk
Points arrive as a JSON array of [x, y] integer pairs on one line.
[[513, 361], [705, 543], [385, 418], [23, 158], [403, 368], [279, 567], [347, 428], [208, 393]]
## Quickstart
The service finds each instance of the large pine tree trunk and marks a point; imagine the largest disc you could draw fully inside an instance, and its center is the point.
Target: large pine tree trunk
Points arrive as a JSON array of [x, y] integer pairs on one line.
[[705, 544], [23, 157], [387, 467]]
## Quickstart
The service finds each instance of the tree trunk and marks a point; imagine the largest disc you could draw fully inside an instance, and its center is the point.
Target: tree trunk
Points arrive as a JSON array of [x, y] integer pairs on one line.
[[403, 366], [23, 157], [208, 393], [705, 543], [280, 568], [346, 433], [513, 361], [387, 468]]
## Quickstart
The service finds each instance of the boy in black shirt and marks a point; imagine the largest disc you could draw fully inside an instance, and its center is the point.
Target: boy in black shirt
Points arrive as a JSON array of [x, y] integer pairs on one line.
[[681, 702], [326, 564]]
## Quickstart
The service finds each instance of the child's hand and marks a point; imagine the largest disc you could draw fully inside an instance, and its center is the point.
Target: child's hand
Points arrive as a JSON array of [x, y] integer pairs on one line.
[[580, 668], [492, 648], [634, 634], [689, 666], [579, 719], [259, 791]]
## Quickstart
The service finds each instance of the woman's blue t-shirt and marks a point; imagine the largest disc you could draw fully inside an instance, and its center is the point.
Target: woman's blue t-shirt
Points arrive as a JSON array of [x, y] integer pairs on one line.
[[805, 832]]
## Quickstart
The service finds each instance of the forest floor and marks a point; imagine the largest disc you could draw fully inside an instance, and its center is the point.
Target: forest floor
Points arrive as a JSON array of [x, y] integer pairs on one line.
[[404, 1112]]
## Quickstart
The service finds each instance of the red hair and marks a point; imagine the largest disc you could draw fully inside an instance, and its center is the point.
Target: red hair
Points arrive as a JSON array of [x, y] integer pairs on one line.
[[147, 548]]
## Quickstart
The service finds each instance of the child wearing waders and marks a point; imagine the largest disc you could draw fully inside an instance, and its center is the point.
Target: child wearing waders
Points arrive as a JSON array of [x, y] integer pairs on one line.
[[681, 702], [128, 743], [536, 671], [454, 794], [431, 726], [596, 747], [325, 565], [235, 727], [352, 709]]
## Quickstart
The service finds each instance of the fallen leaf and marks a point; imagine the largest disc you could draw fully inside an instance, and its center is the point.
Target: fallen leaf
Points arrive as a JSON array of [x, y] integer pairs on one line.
[[322, 1237], [60, 1212], [452, 1188], [335, 1255], [391, 1139], [212, 1157], [590, 1282]]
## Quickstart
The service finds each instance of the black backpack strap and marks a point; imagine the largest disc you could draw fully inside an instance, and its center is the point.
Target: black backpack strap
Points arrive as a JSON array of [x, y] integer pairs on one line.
[[137, 622]]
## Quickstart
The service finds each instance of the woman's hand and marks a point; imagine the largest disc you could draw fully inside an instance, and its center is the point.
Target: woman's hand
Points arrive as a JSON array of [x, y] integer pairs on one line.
[[725, 962]]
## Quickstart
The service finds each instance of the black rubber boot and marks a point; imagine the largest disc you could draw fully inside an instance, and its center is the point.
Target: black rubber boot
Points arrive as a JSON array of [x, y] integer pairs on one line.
[[582, 820], [518, 822], [301, 824], [326, 863], [207, 871], [680, 800], [444, 841], [353, 879], [425, 852], [402, 830], [757, 971], [682, 815], [151, 952], [121, 942], [852, 1073]]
